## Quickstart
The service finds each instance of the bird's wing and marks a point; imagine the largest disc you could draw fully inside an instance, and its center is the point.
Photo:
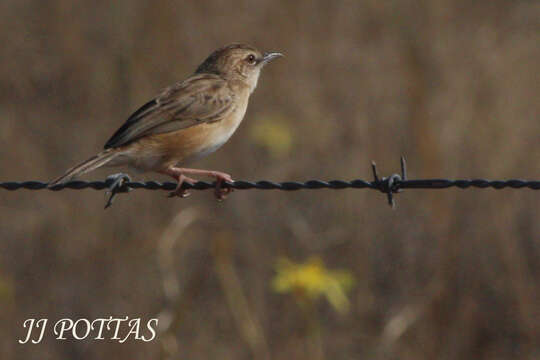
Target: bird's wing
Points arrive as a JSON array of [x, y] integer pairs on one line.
[[200, 99]]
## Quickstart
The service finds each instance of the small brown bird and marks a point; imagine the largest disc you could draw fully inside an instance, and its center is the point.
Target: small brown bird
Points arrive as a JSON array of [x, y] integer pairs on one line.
[[188, 120]]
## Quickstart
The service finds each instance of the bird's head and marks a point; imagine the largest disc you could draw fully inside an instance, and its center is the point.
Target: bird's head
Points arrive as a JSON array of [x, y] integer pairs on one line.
[[237, 62]]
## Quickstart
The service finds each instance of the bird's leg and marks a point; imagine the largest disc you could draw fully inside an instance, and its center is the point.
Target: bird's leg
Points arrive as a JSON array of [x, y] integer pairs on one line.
[[176, 173], [220, 193]]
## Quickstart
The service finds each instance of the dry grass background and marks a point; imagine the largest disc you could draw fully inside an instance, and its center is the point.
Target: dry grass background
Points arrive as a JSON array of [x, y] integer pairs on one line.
[[452, 85]]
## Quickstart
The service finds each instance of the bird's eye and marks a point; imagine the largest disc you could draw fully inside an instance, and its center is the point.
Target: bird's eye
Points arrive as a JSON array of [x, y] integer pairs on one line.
[[251, 59]]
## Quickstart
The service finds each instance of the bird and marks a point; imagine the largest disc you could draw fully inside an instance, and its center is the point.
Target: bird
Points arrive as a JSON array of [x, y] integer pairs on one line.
[[185, 121]]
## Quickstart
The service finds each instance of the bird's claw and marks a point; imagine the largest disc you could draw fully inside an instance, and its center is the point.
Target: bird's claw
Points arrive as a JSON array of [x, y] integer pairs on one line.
[[181, 194], [180, 191], [220, 192]]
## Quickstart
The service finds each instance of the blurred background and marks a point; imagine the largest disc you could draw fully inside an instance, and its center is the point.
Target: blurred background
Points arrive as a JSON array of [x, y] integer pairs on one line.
[[450, 274]]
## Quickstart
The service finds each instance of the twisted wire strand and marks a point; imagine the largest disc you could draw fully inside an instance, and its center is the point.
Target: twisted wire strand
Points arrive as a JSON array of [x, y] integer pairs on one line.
[[395, 183], [287, 185]]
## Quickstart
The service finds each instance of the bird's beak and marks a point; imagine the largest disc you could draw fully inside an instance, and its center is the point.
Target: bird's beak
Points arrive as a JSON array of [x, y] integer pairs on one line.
[[269, 56]]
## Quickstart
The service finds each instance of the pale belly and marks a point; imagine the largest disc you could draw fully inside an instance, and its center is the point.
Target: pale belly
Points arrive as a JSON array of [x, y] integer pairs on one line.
[[216, 136]]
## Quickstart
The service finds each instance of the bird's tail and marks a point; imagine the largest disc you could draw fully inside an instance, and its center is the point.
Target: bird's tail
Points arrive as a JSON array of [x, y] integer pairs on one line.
[[93, 163]]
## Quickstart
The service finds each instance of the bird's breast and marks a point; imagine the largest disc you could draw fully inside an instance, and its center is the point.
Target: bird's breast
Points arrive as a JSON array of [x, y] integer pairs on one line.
[[214, 135]]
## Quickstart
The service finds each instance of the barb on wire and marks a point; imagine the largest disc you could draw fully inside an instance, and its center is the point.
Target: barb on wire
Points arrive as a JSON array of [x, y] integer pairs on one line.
[[393, 184], [118, 184], [390, 185]]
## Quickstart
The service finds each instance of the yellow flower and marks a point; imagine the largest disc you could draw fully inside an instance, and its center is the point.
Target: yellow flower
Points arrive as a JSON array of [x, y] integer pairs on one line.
[[311, 280]]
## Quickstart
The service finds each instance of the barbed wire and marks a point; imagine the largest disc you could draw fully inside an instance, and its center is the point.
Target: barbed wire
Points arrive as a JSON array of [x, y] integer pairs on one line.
[[121, 183]]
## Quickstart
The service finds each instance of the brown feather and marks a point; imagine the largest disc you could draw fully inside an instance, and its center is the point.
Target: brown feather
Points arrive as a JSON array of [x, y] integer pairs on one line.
[[93, 163], [201, 98]]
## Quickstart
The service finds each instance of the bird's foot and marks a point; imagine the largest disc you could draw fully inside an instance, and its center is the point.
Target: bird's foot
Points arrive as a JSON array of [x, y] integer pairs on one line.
[[179, 191], [220, 192]]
